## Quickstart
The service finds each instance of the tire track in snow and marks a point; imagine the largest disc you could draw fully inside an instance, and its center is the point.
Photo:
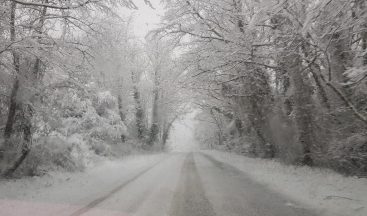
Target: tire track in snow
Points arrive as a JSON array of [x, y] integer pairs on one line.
[[95, 202], [190, 198]]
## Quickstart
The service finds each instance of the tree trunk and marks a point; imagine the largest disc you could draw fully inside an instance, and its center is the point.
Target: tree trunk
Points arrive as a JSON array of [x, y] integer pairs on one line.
[[139, 111], [12, 110], [360, 9], [257, 104], [166, 133], [13, 105], [139, 114], [259, 123], [154, 130], [26, 122], [121, 114], [303, 106], [13, 98], [121, 107], [340, 58], [313, 67], [24, 109]]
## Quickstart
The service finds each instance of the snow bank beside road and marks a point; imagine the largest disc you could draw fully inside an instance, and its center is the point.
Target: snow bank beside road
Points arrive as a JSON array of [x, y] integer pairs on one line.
[[330, 192]]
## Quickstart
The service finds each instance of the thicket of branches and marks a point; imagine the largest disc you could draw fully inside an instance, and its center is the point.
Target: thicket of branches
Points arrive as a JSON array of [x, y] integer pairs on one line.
[[278, 78]]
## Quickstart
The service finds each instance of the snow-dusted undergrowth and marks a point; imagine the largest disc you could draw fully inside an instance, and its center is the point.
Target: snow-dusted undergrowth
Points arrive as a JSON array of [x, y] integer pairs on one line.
[[322, 189]]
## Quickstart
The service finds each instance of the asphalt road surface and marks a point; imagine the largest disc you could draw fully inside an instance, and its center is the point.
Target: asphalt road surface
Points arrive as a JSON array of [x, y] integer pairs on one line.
[[192, 184]]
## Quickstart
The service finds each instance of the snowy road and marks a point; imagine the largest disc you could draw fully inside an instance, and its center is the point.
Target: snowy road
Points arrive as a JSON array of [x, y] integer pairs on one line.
[[176, 184]]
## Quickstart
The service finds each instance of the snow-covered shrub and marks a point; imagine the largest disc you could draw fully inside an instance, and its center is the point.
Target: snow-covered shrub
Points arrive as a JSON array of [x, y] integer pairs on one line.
[[240, 145], [129, 147], [78, 129], [103, 102], [97, 118], [350, 155], [100, 148], [108, 129], [56, 152]]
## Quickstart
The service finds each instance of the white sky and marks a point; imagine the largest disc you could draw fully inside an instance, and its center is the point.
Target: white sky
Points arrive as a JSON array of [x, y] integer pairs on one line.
[[145, 18]]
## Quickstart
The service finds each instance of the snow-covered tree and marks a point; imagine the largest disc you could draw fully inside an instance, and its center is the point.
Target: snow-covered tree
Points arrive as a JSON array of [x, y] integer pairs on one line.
[[299, 64]]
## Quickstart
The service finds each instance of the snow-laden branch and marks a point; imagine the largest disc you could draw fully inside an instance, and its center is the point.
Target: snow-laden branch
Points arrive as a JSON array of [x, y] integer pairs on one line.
[[58, 7]]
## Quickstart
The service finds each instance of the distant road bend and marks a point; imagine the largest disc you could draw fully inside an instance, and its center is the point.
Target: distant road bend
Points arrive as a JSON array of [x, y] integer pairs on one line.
[[191, 184]]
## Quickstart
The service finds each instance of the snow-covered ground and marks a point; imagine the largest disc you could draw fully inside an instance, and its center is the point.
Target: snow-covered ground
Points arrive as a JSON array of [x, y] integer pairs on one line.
[[321, 189], [152, 192], [68, 192]]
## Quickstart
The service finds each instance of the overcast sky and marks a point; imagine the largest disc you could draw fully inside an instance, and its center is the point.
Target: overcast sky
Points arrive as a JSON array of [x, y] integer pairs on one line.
[[146, 18]]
